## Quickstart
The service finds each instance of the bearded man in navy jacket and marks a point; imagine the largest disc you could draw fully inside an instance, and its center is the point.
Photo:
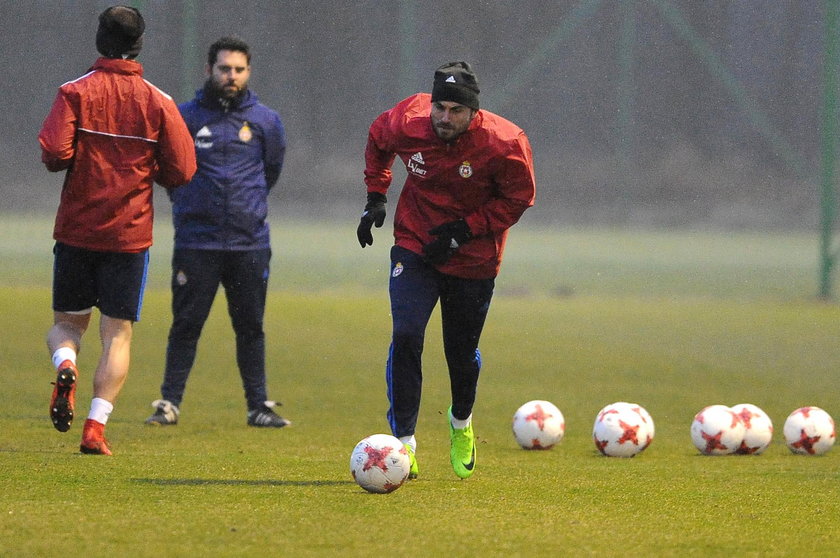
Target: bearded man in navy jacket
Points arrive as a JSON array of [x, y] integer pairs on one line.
[[221, 231]]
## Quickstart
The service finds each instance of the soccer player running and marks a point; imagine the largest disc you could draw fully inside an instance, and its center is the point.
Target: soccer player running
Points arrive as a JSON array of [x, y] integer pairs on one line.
[[115, 134], [469, 178], [221, 232]]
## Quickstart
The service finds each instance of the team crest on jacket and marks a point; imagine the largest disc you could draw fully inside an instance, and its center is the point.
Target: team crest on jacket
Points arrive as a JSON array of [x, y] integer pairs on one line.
[[245, 133], [465, 170], [398, 269]]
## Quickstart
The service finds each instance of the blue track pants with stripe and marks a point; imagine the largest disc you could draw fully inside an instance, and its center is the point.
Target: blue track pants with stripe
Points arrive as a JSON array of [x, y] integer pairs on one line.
[[415, 288]]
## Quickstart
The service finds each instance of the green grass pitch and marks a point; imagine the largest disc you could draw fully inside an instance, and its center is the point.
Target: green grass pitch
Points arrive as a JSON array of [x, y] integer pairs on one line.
[[671, 321]]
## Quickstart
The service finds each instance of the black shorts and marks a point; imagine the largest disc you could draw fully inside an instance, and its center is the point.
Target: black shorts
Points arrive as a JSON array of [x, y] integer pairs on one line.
[[112, 281]]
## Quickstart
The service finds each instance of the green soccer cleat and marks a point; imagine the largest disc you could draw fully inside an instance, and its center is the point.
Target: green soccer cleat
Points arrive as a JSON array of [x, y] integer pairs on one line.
[[462, 451], [415, 469]]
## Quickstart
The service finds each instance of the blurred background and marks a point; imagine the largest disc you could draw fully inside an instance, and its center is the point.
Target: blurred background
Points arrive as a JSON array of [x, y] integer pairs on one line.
[[643, 113]]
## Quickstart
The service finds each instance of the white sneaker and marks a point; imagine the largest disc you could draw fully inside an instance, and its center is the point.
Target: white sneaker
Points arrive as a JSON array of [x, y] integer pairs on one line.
[[165, 413]]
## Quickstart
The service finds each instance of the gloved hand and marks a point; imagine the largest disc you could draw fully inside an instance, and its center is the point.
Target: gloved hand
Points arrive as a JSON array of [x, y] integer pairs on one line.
[[450, 237], [374, 214]]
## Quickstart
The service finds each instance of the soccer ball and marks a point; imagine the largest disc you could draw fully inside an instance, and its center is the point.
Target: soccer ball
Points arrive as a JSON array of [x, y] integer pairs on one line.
[[717, 430], [538, 425], [622, 430], [758, 429], [380, 463], [809, 431]]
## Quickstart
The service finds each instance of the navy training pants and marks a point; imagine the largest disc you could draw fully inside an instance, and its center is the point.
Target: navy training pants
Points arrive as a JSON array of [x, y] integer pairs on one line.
[[196, 275], [415, 288]]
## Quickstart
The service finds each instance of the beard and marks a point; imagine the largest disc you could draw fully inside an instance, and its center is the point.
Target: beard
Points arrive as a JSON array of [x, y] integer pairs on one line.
[[224, 91], [447, 132]]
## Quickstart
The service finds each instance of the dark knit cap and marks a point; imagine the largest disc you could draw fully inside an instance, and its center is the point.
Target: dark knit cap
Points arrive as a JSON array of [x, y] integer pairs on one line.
[[120, 32], [456, 82]]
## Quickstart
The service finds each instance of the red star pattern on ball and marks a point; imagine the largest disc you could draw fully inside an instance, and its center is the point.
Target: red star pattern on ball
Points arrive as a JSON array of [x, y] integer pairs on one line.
[[538, 415], [746, 416], [713, 442], [631, 433], [601, 444], [376, 458], [806, 442], [390, 487]]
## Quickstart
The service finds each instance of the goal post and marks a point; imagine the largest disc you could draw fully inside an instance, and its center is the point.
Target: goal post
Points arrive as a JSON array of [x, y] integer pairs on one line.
[[828, 141]]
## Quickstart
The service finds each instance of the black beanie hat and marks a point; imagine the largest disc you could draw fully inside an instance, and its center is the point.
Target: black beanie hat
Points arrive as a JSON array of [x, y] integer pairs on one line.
[[456, 82], [120, 32]]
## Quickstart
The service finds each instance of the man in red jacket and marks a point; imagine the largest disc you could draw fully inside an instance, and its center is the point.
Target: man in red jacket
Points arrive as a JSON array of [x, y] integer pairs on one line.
[[115, 134], [470, 177]]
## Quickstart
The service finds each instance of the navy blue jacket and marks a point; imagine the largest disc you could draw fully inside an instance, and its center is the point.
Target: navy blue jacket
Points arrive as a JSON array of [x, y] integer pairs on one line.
[[240, 152]]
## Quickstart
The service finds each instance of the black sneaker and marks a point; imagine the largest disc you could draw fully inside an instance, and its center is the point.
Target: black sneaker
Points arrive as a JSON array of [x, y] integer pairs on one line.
[[264, 416]]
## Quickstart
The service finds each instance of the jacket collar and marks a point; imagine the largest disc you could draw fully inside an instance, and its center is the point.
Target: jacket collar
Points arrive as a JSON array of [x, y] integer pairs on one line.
[[118, 65], [247, 99]]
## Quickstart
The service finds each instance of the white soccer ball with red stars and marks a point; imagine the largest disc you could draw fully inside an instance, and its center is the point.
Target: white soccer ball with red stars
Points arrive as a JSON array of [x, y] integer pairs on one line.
[[622, 430], [809, 431], [538, 425], [758, 429], [717, 430], [380, 463]]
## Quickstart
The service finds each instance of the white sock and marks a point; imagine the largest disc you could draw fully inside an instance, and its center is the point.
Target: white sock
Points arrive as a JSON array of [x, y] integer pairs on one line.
[[410, 441], [100, 410], [460, 424], [61, 354]]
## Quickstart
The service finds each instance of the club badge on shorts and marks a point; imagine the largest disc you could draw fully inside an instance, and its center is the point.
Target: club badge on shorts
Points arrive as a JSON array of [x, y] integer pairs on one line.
[[245, 133], [465, 170], [181, 278], [398, 268]]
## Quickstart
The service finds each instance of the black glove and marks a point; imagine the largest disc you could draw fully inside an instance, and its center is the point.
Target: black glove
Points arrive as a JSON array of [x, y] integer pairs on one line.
[[450, 237], [374, 214]]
